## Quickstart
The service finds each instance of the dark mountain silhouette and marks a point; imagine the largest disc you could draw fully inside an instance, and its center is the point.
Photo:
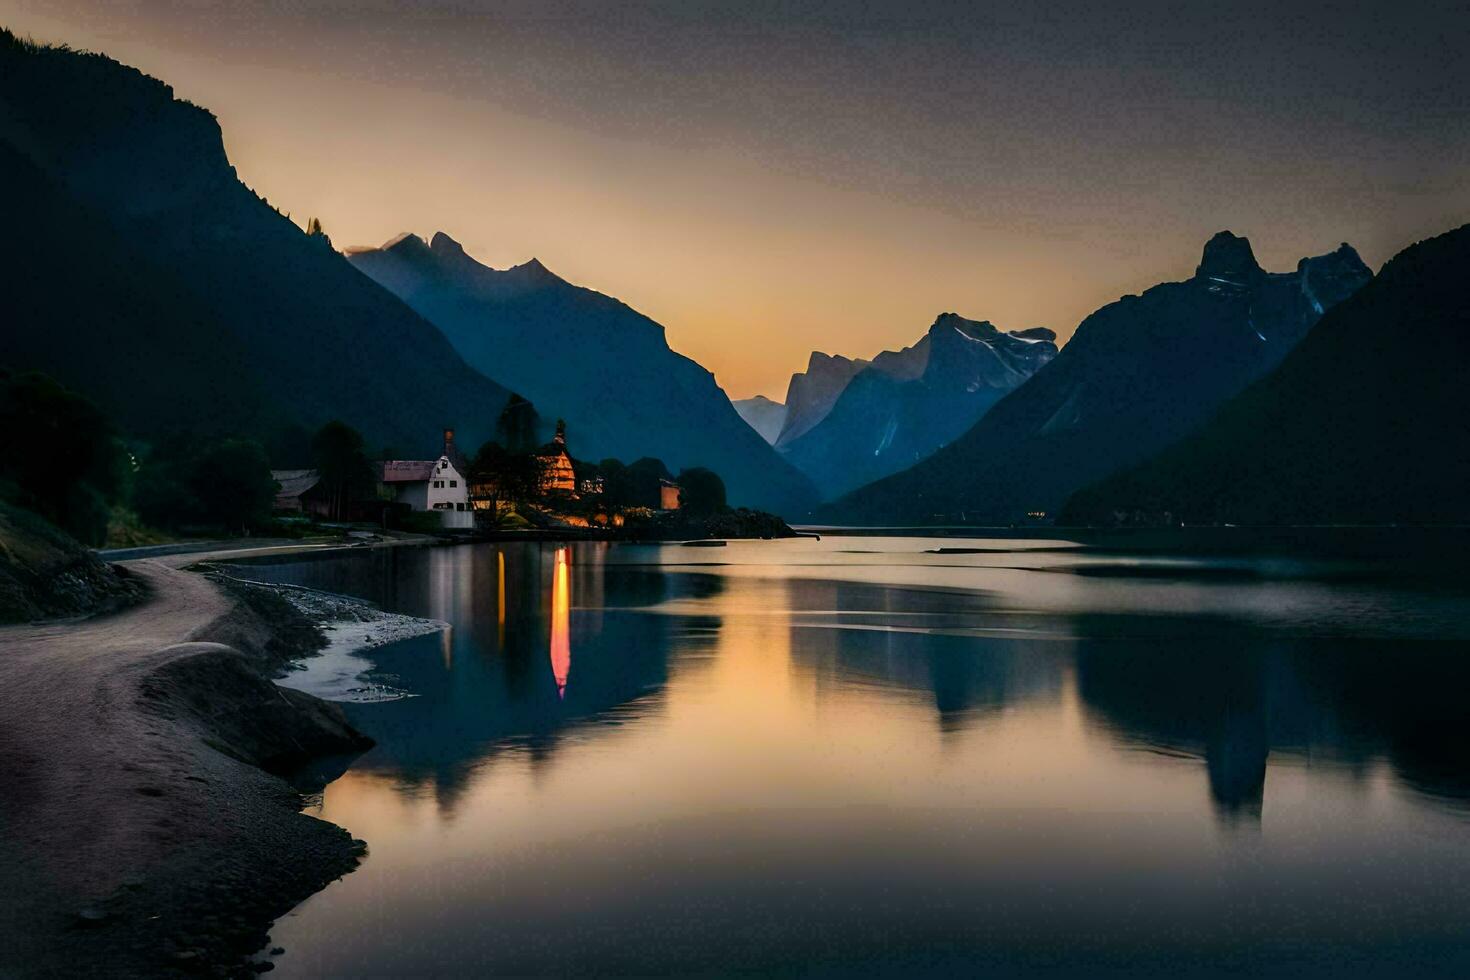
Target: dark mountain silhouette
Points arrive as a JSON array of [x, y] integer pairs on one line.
[[763, 415], [144, 274], [906, 404], [811, 394], [591, 359], [1365, 422], [1137, 375]]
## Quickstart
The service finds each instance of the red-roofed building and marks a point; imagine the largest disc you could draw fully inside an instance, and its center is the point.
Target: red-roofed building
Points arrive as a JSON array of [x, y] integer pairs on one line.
[[431, 485]]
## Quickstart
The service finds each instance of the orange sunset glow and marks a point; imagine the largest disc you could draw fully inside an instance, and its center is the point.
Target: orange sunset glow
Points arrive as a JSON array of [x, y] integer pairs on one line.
[[785, 199]]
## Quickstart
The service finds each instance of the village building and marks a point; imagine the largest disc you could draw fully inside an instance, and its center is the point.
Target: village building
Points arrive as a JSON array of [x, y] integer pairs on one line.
[[558, 476], [432, 484], [300, 492], [668, 495]]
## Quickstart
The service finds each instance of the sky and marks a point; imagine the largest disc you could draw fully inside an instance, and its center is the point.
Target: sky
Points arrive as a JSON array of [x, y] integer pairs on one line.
[[766, 179]]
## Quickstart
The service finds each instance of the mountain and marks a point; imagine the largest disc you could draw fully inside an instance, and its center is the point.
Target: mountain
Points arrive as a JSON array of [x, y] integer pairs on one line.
[[812, 393], [143, 273], [906, 404], [763, 415], [1364, 422], [1137, 375], [598, 363]]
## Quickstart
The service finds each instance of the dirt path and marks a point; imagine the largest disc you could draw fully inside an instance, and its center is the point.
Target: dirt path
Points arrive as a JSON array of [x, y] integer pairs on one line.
[[135, 835]]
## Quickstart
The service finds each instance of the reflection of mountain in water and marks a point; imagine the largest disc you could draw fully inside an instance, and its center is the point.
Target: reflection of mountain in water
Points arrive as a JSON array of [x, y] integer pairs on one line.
[[1200, 696], [1210, 689], [1220, 691], [1406, 701], [892, 638], [1235, 699]]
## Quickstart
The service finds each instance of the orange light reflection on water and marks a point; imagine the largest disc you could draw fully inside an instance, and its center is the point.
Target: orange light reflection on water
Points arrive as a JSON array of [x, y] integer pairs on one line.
[[561, 606]]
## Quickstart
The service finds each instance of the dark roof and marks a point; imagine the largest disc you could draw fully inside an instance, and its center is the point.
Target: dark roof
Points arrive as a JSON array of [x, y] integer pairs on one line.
[[408, 470], [294, 482]]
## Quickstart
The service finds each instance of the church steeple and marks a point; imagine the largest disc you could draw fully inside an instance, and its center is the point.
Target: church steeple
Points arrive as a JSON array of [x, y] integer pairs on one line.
[[451, 451]]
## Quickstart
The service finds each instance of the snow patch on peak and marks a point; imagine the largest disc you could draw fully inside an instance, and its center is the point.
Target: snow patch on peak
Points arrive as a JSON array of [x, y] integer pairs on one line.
[[1034, 334]]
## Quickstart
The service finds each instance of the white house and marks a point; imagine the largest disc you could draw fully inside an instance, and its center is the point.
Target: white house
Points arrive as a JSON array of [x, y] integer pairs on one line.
[[432, 484]]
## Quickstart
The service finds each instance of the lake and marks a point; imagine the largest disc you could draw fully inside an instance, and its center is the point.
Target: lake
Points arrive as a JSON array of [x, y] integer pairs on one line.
[[861, 755]]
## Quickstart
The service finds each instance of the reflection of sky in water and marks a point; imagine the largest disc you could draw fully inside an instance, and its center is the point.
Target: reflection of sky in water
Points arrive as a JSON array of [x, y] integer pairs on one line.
[[633, 759]]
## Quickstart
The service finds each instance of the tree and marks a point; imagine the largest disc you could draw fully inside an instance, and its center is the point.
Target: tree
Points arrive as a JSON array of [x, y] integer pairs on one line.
[[342, 466], [642, 481], [487, 474], [616, 492], [515, 477], [163, 492], [517, 427], [521, 477], [289, 447], [59, 456], [315, 233], [190, 483], [232, 482], [702, 492]]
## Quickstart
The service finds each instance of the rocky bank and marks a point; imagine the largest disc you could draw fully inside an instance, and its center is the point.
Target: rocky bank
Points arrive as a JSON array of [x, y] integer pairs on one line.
[[45, 574], [146, 828]]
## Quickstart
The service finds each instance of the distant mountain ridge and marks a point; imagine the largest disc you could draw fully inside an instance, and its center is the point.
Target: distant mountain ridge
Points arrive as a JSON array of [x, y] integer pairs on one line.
[[766, 417], [587, 357], [152, 280], [1137, 375], [811, 394], [1364, 422], [904, 405]]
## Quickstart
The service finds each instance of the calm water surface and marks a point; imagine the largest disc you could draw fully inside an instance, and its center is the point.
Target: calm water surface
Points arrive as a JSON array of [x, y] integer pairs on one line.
[[856, 756]]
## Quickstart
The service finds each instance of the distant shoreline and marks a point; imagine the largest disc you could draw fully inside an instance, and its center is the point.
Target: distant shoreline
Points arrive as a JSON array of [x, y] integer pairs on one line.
[[236, 548], [1433, 543], [1437, 543]]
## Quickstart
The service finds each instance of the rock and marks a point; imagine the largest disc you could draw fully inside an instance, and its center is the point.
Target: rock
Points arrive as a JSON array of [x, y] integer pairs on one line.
[[58, 577]]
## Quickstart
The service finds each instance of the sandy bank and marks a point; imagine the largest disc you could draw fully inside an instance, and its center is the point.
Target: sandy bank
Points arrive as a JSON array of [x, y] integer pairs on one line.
[[142, 830], [317, 639]]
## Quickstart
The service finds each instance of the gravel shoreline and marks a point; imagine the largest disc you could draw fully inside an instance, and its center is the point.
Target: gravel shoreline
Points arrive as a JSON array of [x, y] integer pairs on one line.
[[147, 829], [328, 662]]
